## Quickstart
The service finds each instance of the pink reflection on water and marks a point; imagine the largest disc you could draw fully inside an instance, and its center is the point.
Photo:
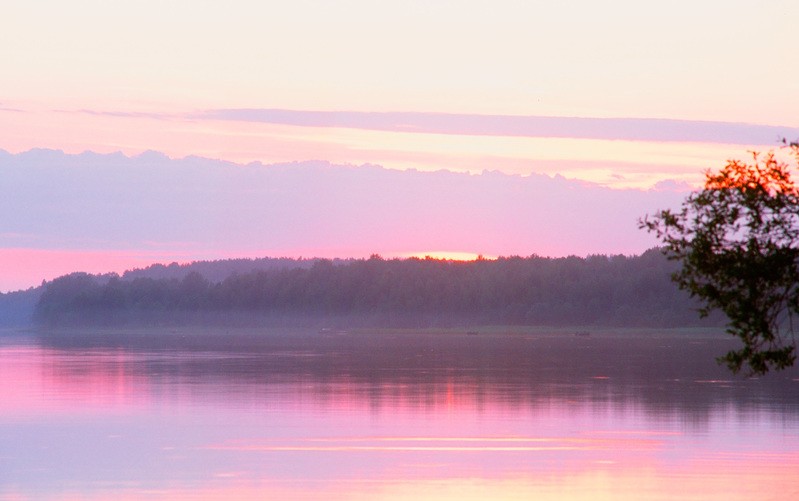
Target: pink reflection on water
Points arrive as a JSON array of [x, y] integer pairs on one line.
[[633, 482], [35, 380], [394, 439], [441, 444]]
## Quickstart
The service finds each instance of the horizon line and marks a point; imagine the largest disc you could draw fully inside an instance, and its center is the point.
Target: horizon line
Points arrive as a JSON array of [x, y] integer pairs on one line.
[[396, 256]]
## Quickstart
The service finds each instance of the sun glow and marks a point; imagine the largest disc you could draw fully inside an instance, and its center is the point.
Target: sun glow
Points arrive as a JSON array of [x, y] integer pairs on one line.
[[447, 255]]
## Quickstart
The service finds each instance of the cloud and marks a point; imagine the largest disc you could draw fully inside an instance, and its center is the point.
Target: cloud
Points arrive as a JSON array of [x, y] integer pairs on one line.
[[672, 185], [123, 114], [49, 199], [10, 110], [629, 129]]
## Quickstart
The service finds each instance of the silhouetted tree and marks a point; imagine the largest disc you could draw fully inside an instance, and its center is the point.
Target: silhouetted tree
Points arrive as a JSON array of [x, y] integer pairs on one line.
[[737, 240]]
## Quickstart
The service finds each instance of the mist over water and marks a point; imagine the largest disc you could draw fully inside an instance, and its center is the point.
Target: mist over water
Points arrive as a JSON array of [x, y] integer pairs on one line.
[[391, 414]]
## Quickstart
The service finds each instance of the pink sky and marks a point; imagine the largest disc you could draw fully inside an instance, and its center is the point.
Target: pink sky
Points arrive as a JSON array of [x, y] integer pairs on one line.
[[624, 94]]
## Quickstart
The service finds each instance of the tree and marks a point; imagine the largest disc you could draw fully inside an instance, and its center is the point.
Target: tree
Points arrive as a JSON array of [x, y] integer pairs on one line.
[[737, 240]]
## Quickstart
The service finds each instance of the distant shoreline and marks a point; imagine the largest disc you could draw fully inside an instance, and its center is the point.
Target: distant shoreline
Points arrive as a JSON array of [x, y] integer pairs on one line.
[[511, 331]]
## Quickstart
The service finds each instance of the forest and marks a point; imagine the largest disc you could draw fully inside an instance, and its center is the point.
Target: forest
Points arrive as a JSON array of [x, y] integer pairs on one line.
[[599, 290]]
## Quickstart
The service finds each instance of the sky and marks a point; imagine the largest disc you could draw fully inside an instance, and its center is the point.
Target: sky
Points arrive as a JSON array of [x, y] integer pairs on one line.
[[625, 95]]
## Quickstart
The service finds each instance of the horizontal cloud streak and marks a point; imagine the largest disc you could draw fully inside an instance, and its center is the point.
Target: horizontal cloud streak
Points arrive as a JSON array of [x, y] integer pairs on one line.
[[629, 129], [124, 114]]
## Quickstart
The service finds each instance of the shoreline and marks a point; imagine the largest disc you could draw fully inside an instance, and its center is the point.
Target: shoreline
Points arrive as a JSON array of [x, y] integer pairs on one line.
[[491, 331]]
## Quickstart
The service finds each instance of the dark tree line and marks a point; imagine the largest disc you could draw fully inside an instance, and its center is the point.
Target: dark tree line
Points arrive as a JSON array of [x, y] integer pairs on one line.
[[218, 270], [597, 290]]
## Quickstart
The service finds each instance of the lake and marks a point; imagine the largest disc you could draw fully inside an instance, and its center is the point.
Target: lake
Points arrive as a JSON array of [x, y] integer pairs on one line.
[[357, 416]]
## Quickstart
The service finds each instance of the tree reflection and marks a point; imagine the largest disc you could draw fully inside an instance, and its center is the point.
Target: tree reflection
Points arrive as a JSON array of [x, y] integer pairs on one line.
[[418, 372]]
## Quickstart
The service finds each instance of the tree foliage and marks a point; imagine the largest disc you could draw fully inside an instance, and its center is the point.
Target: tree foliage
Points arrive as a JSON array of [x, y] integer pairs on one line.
[[737, 240]]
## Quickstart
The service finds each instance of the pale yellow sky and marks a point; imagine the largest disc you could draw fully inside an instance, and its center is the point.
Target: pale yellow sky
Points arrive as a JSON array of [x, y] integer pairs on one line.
[[728, 61], [698, 60]]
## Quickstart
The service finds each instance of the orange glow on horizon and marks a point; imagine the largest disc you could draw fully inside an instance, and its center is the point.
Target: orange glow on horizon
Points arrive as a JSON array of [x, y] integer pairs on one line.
[[447, 255]]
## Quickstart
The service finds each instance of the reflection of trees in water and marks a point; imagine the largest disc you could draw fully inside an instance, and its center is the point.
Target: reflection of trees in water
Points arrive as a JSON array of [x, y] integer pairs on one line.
[[667, 378]]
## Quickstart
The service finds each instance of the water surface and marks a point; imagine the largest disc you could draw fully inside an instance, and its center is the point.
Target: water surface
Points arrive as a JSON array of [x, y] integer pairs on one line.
[[404, 416]]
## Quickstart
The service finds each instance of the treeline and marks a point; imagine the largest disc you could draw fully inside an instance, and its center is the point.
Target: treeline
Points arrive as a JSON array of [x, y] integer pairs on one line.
[[16, 308], [597, 290], [218, 270]]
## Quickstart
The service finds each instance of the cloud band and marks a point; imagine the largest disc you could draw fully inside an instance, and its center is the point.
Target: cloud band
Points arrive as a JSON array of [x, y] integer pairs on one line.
[[628, 129]]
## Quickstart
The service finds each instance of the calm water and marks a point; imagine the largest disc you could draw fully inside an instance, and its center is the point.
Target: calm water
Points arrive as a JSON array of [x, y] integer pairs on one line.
[[403, 417]]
